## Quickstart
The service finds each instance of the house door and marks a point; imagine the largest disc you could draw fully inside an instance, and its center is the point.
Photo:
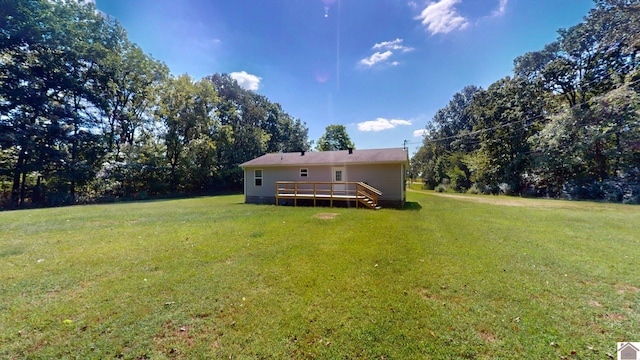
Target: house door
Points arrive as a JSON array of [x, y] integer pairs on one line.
[[338, 174]]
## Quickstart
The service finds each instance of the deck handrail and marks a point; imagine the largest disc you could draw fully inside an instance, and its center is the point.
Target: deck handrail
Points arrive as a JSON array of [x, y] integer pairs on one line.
[[370, 188], [369, 193], [327, 190]]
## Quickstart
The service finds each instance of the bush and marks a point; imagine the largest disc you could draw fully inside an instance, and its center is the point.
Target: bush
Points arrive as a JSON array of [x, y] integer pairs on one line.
[[613, 191], [578, 190], [474, 189], [441, 188], [625, 189], [505, 189], [530, 192], [632, 198], [490, 190], [458, 179]]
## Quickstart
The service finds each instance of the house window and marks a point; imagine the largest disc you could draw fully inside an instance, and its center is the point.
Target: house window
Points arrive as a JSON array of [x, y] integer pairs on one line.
[[257, 175], [338, 175], [304, 173]]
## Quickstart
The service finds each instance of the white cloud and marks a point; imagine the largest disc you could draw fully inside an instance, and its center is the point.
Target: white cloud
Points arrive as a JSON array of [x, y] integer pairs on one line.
[[392, 45], [380, 124], [246, 81], [442, 17], [376, 58], [502, 8], [386, 50], [420, 133]]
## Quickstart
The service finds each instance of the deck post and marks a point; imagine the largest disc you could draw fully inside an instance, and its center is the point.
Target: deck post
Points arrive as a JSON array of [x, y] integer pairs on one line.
[[348, 191], [331, 195], [314, 194]]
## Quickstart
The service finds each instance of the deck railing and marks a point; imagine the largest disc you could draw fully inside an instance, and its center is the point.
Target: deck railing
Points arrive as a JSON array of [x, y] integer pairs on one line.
[[359, 192], [369, 192]]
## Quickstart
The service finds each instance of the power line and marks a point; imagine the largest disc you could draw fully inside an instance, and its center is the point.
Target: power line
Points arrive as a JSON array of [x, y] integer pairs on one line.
[[425, 141]]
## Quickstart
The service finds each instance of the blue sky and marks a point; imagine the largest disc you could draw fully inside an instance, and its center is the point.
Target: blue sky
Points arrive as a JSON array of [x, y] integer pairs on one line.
[[381, 68]]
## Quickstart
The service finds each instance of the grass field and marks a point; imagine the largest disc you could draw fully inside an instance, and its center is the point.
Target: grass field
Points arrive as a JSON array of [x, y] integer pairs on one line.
[[211, 277]]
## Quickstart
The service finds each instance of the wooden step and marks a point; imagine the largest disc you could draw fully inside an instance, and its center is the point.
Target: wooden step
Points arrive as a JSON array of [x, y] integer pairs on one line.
[[368, 202]]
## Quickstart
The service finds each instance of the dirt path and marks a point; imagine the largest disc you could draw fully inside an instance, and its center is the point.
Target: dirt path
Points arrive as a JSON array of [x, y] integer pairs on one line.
[[503, 200]]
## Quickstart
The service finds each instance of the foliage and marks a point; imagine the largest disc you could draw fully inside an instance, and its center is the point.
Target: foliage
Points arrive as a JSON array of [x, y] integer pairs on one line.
[[449, 137], [85, 114], [566, 124], [254, 126], [335, 138], [609, 129]]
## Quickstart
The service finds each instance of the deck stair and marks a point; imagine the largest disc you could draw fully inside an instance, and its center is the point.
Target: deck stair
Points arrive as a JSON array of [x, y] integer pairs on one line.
[[358, 192], [368, 195]]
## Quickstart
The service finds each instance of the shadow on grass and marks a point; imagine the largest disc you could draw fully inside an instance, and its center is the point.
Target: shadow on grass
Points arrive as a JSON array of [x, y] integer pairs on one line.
[[408, 206], [412, 206], [11, 251]]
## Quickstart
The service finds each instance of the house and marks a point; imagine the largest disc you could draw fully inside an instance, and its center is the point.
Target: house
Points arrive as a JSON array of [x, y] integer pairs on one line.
[[373, 177], [627, 351]]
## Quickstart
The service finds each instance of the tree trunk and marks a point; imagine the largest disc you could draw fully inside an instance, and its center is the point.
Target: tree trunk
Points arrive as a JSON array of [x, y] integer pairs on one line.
[[17, 171], [23, 192], [74, 157], [36, 198]]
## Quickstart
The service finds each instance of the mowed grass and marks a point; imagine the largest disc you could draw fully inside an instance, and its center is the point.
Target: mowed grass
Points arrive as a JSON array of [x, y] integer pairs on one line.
[[215, 278]]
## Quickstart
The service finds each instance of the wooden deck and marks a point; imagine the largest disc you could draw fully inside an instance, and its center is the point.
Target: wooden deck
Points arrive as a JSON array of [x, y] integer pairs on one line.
[[358, 192]]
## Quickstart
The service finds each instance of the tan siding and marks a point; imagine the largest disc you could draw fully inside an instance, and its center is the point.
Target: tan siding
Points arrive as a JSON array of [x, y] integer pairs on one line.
[[386, 178], [269, 177], [316, 173]]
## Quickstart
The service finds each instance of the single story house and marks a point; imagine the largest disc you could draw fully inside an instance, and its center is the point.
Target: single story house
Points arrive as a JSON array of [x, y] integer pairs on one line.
[[273, 177]]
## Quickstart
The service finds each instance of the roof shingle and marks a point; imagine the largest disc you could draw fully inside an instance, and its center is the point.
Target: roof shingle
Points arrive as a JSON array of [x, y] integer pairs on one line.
[[368, 156]]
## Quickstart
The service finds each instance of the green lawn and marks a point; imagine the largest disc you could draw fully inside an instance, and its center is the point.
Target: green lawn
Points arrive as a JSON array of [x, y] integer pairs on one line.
[[215, 278]]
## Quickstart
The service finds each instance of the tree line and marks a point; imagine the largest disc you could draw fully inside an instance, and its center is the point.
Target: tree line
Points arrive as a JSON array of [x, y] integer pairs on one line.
[[565, 124], [86, 115]]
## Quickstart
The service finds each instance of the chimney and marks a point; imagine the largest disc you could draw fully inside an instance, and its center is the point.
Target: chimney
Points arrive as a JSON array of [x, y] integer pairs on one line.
[[350, 151], [302, 153]]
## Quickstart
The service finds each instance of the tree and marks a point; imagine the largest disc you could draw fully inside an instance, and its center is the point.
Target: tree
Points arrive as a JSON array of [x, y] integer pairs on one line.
[[449, 137], [127, 90], [335, 138], [84, 111], [286, 133], [588, 59], [242, 111], [49, 53], [507, 114], [589, 66], [609, 133], [252, 126], [566, 123], [187, 110], [60, 70], [426, 162]]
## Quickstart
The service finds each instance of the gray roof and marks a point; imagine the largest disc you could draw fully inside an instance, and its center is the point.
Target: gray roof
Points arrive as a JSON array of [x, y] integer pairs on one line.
[[369, 156]]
